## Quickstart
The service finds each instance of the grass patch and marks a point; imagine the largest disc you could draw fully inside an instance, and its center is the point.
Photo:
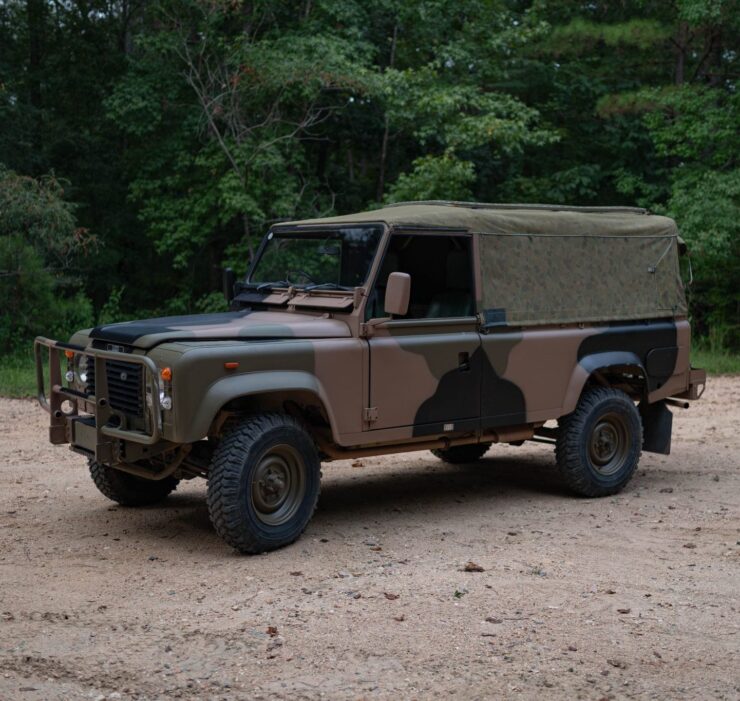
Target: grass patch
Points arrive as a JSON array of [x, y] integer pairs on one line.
[[17, 375], [715, 362]]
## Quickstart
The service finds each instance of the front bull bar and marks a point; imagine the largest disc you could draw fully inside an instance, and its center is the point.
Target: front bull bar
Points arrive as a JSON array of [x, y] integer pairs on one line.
[[61, 428]]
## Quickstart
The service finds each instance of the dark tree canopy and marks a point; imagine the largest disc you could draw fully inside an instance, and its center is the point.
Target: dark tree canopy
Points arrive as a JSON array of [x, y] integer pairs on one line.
[[181, 129]]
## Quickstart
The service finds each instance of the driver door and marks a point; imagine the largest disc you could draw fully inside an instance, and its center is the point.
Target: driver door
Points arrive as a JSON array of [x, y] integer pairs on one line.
[[425, 368]]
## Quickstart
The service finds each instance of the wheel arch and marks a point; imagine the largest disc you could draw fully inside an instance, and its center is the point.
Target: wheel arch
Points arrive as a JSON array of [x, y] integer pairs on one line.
[[598, 368], [260, 391]]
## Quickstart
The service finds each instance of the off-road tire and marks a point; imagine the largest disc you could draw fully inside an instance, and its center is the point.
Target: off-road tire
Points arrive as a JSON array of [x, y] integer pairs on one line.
[[242, 482], [599, 444], [461, 454], [127, 489]]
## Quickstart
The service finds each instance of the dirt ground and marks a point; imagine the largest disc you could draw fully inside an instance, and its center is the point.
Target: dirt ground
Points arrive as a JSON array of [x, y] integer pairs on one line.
[[635, 596]]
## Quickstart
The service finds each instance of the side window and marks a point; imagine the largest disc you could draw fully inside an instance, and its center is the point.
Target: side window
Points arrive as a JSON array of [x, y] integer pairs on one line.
[[441, 270]]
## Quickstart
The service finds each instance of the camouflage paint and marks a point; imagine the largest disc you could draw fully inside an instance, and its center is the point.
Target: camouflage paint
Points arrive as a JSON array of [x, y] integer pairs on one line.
[[324, 372], [408, 363], [550, 366], [427, 379], [243, 324]]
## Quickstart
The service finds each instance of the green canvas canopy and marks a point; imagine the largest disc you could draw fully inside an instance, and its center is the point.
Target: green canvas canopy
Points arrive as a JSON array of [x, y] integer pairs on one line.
[[545, 264]]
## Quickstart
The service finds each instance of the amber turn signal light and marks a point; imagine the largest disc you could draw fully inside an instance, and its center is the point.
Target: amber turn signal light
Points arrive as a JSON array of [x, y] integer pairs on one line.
[[231, 365], [70, 354], [166, 374]]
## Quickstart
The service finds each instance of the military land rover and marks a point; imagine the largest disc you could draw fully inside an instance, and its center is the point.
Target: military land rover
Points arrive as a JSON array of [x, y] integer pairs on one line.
[[442, 326]]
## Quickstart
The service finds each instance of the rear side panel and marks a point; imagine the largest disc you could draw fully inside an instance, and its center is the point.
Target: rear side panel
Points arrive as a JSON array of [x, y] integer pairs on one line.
[[538, 374]]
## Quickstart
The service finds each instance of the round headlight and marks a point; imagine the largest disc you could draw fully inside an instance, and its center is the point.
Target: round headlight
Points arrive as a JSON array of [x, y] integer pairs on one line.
[[165, 401], [82, 368]]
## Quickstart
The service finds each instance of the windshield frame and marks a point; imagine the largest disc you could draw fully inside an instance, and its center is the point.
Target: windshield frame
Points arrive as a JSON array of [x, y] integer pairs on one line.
[[315, 231]]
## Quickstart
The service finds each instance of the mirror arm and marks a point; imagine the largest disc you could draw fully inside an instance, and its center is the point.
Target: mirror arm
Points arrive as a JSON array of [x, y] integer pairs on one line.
[[368, 328]]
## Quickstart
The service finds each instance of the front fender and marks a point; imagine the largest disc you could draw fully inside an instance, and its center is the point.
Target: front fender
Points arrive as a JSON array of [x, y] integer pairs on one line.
[[590, 363], [227, 389]]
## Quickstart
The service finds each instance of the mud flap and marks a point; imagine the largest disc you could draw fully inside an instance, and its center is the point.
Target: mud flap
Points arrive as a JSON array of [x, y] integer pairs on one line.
[[657, 426]]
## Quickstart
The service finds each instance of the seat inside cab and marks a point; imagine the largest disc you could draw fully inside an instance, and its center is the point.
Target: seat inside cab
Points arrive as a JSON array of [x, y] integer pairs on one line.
[[441, 270]]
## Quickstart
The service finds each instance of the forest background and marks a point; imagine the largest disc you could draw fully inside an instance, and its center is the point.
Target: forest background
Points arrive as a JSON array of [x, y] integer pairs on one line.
[[145, 145]]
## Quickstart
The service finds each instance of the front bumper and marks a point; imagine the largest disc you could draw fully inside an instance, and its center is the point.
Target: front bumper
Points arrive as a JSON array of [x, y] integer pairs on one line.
[[88, 422]]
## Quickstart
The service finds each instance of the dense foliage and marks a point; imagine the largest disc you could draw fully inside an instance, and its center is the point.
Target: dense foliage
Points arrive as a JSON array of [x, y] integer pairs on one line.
[[38, 245], [182, 128]]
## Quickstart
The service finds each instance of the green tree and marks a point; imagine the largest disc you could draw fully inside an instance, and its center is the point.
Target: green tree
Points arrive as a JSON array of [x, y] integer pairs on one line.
[[644, 98], [186, 127], [40, 249], [260, 113]]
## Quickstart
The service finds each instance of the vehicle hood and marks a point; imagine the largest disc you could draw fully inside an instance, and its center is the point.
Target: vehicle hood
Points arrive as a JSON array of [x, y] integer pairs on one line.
[[239, 325]]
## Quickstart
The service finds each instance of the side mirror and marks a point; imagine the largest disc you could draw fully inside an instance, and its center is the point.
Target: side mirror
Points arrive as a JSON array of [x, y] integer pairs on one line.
[[397, 294], [228, 284]]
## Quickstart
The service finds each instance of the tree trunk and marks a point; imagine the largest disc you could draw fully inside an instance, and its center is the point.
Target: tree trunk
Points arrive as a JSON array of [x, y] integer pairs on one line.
[[35, 17], [248, 237], [680, 42], [350, 164], [386, 130]]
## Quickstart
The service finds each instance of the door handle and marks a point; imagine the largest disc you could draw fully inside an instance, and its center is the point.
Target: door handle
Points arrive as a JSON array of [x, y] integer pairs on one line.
[[463, 362]]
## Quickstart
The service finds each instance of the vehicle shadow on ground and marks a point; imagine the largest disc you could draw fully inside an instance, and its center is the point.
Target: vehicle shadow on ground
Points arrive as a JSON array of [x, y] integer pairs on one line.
[[395, 492], [432, 485], [401, 489]]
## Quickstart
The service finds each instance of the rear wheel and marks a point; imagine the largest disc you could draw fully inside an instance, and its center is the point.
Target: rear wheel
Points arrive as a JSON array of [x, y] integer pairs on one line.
[[460, 454], [264, 482], [599, 444], [127, 489]]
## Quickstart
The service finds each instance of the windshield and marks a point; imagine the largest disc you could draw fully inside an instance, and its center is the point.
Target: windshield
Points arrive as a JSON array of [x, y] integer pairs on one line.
[[338, 259]]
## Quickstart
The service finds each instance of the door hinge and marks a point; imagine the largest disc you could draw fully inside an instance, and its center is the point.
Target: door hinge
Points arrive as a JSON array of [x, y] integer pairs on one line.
[[370, 414]]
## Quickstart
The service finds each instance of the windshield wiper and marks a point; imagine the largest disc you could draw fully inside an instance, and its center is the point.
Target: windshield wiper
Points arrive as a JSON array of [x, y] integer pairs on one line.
[[271, 285], [326, 286]]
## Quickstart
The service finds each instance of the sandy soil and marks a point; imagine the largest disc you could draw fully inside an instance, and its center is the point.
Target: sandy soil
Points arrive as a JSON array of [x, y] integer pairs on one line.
[[635, 596]]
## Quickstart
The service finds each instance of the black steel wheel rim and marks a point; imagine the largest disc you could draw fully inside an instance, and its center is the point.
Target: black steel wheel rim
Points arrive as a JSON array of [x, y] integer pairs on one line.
[[609, 444], [278, 485]]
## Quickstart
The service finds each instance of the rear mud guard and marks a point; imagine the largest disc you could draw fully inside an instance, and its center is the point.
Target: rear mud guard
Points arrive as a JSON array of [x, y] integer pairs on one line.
[[657, 426]]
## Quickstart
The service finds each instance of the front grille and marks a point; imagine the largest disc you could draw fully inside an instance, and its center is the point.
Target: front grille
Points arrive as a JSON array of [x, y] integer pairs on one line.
[[125, 385]]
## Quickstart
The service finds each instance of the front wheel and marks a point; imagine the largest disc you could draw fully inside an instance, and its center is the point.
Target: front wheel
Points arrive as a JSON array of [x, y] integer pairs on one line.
[[599, 444], [128, 489], [263, 483]]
